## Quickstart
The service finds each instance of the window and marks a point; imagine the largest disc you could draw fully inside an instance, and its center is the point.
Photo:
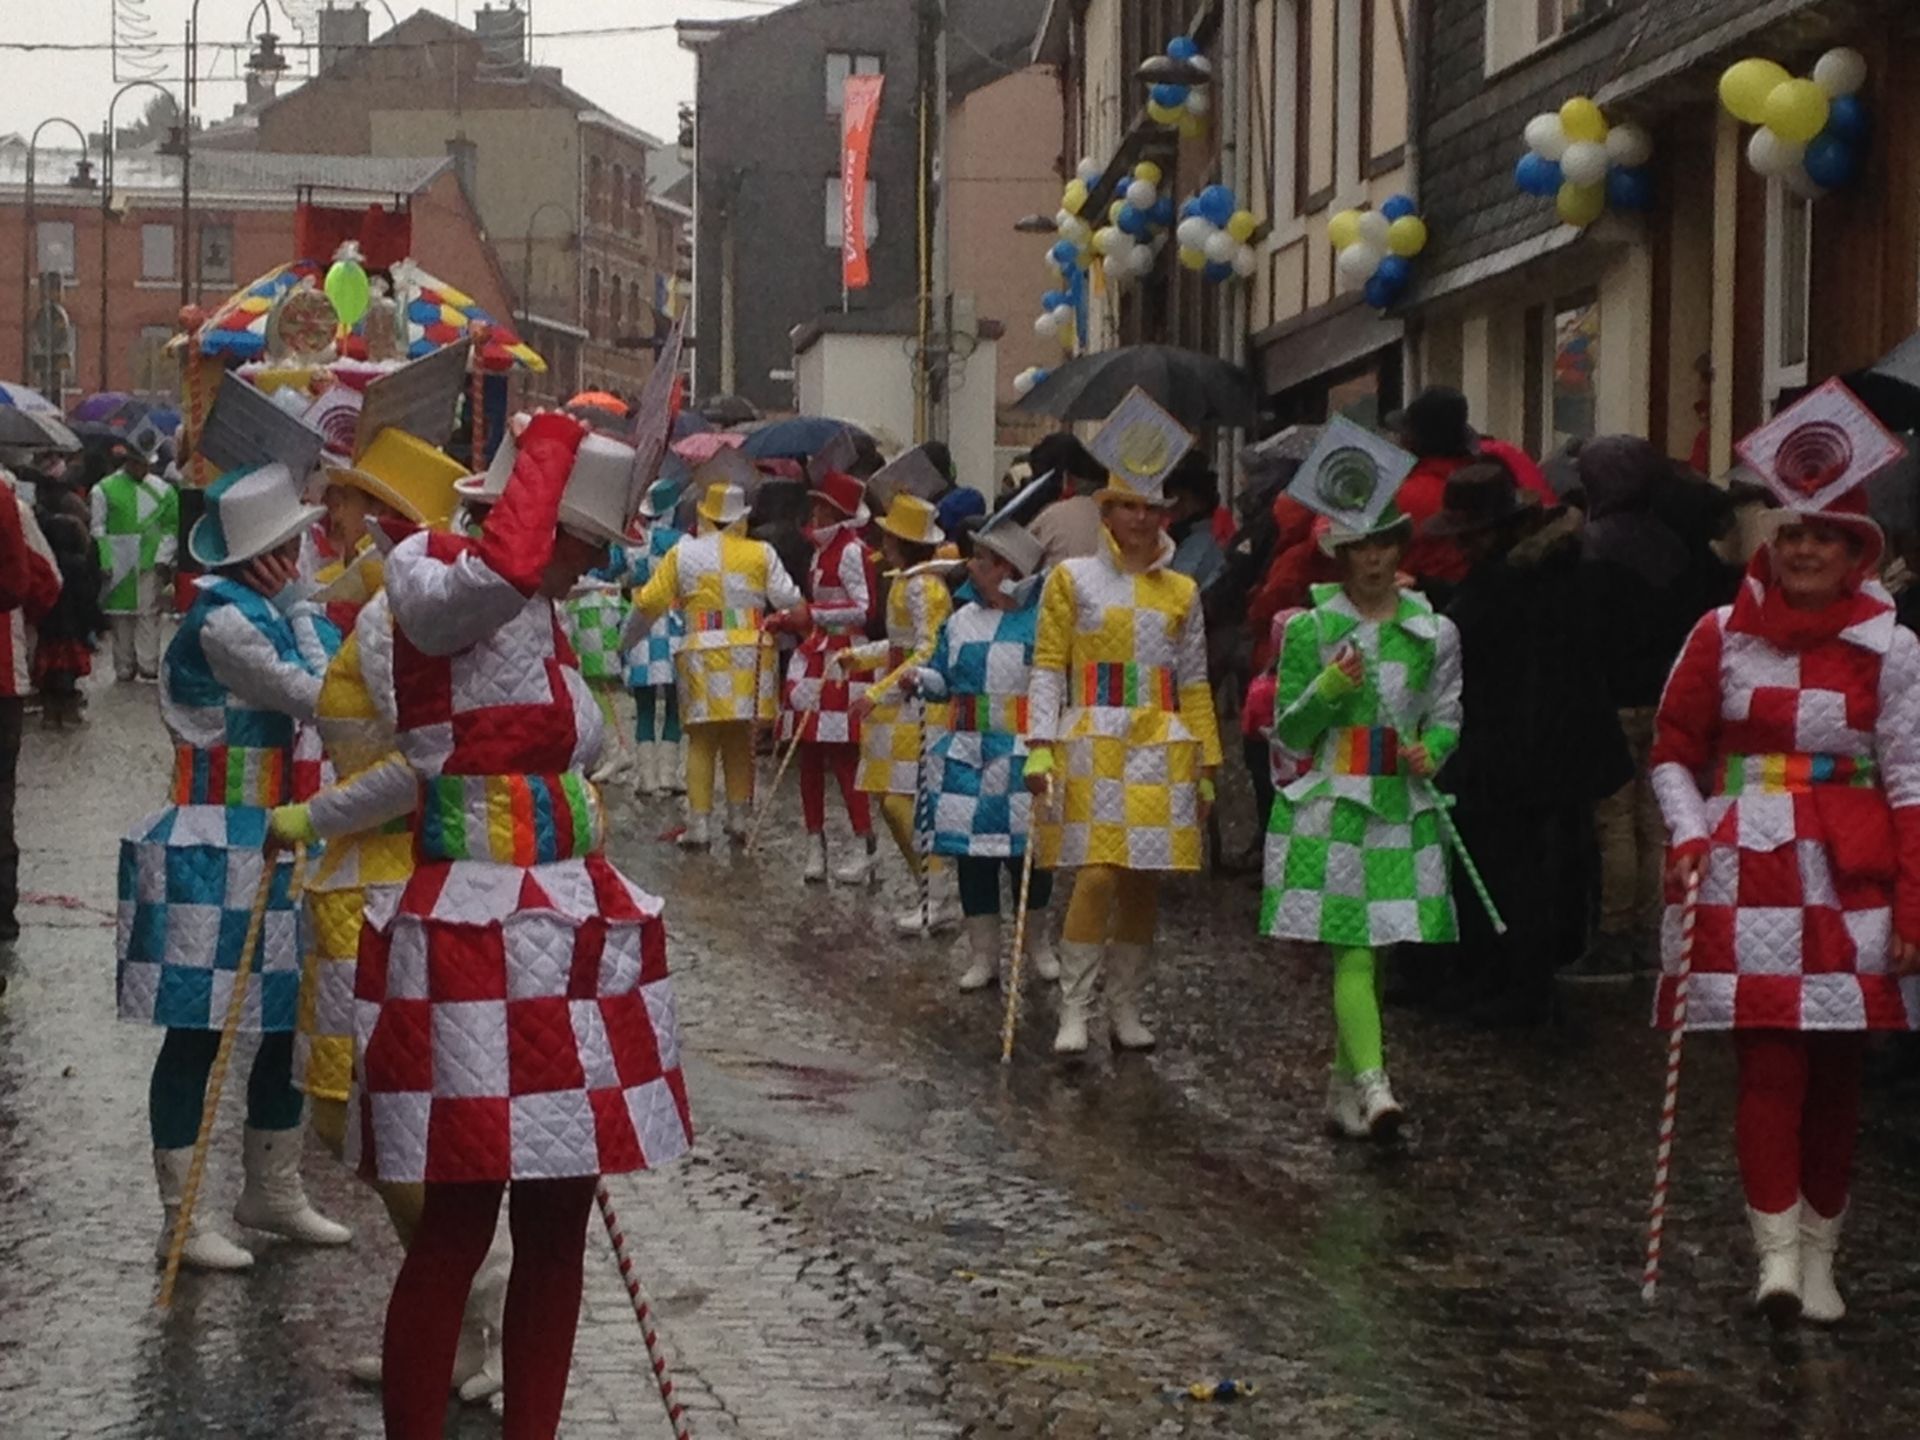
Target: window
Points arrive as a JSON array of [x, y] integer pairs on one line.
[[155, 372], [1563, 371], [835, 231], [216, 253], [593, 301], [56, 248], [637, 202], [839, 66], [156, 252], [617, 194], [593, 188], [616, 310], [1789, 290], [1516, 28]]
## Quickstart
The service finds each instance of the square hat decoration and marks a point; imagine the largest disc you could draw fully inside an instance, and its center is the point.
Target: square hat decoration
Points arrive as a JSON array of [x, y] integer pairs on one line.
[[1351, 475], [246, 428], [653, 416], [1820, 447], [1141, 442], [839, 453], [911, 473], [419, 398]]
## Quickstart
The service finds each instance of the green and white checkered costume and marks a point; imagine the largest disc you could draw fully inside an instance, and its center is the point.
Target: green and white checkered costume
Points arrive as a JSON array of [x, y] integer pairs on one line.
[[1354, 850], [134, 522]]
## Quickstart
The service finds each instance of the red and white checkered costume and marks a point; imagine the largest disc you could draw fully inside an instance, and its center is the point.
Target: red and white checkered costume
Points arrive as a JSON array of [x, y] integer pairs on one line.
[[1789, 754], [28, 589], [841, 584], [513, 1015]]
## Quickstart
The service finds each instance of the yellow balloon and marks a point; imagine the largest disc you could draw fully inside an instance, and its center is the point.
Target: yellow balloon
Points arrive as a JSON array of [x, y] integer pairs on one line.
[[1407, 236], [1242, 225], [1797, 110], [1746, 87], [1113, 211], [1192, 127], [1193, 259], [1076, 197], [1582, 120], [1163, 114], [1343, 230], [1581, 205], [1148, 171]]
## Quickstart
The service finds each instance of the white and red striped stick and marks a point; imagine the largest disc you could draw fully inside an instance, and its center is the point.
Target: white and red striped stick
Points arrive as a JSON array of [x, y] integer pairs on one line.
[[1670, 1104], [643, 1312]]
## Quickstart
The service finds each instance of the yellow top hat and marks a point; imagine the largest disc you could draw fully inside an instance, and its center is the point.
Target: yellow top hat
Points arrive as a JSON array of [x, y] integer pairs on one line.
[[406, 473], [914, 520]]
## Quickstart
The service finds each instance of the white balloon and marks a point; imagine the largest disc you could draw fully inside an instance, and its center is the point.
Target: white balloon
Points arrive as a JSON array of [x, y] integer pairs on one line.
[[1142, 194], [1547, 137], [1841, 72], [1143, 258], [1629, 145], [1375, 230], [1045, 326], [1358, 262], [1202, 64], [1023, 383], [1220, 247], [1193, 232], [1197, 102], [1585, 163], [1802, 184], [1774, 157], [1118, 267], [1106, 240], [1062, 219], [1064, 315], [1078, 231], [1090, 169], [1245, 262]]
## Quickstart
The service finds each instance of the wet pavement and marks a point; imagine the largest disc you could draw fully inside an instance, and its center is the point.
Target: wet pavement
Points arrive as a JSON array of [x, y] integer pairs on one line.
[[886, 1231]]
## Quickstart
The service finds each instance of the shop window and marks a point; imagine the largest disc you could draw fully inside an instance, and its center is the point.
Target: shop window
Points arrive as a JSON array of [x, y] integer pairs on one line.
[[1564, 379], [56, 248], [156, 252], [839, 66], [1516, 28], [836, 229], [1789, 291], [216, 253]]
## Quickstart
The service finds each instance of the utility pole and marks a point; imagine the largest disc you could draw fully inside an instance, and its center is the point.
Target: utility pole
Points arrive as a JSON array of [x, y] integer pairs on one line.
[[935, 349]]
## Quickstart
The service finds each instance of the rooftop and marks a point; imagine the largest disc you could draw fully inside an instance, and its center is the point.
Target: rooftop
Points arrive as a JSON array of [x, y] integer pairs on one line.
[[224, 176]]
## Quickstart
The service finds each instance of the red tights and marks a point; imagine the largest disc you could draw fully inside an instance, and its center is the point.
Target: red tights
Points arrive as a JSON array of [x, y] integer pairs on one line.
[[1799, 1117], [815, 757], [548, 1219]]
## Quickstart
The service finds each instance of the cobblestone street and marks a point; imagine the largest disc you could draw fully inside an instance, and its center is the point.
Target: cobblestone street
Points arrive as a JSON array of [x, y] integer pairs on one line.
[[886, 1232]]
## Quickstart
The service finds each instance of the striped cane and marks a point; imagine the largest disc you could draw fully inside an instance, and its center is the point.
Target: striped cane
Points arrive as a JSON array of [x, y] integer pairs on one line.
[[1012, 1019], [1670, 1104], [643, 1312], [222, 1057]]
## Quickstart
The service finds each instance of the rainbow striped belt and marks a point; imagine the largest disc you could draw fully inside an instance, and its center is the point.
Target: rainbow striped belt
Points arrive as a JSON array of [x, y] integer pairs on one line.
[[999, 714], [703, 622], [231, 775], [1365, 750], [1129, 686], [1794, 773], [510, 819]]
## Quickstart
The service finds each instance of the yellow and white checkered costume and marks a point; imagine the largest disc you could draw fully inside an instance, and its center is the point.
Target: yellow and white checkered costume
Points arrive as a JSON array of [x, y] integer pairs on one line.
[[917, 607], [724, 584], [362, 816], [1120, 690]]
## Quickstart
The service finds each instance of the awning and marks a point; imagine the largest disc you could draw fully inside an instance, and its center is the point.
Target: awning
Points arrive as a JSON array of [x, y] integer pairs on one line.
[[1321, 341]]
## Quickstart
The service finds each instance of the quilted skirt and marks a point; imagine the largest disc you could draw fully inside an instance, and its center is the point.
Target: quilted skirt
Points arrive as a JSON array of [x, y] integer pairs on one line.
[[1341, 875], [187, 882], [1124, 803], [354, 868], [817, 706], [650, 662], [595, 621], [975, 800]]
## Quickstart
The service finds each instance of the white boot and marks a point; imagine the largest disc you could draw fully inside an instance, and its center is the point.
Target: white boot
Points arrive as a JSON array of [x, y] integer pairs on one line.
[[613, 767], [207, 1248], [1820, 1302], [739, 822], [983, 950], [1126, 976], [273, 1199], [1079, 971], [858, 870], [1380, 1113], [816, 870], [699, 834], [1040, 952], [643, 769], [940, 910], [673, 766], [1344, 1117], [1777, 1239], [476, 1363]]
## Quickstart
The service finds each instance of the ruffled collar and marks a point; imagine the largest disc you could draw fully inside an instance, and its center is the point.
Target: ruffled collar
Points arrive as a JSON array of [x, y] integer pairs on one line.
[[1415, 615], [1118, 561], [1864, 617]]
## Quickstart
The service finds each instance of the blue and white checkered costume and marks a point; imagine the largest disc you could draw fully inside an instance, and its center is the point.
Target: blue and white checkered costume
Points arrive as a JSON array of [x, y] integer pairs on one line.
[[236, 677], [973, 797], [651, 661]]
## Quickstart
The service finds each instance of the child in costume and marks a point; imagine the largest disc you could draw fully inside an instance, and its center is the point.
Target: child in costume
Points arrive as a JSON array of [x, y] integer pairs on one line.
[[819, 703], [1122, 725], [514, 1021], [973, 804], [651, 674], [1369, 687], [136, 519], [724, 586], [245, 665], [890, 726]]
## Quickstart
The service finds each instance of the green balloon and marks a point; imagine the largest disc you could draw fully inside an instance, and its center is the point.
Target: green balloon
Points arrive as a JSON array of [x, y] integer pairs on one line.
[[347, 288]]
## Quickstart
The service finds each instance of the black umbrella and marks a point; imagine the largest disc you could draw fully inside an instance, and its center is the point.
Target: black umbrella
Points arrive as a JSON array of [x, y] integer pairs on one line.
[[729, 410], [1197, 390], [1890, 387]]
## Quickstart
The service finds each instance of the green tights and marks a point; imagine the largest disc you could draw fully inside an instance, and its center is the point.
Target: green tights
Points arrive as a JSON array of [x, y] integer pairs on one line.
[[1356, 1012]]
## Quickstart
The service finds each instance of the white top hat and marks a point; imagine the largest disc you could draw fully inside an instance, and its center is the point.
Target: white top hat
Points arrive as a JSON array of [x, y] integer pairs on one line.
[[599, 487], [488, 488], [1013, 543], [249, 512]]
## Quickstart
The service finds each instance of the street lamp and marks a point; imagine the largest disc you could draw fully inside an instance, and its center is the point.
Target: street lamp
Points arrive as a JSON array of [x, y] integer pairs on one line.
[[107, 149], [81, 179]]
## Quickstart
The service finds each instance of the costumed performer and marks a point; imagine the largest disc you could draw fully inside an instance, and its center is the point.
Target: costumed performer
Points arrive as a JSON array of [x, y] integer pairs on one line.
[[651, 675], [136, 518]]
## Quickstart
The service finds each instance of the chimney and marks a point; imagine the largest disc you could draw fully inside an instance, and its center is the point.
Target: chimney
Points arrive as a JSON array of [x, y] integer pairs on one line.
[[503, 39], [341, 31]]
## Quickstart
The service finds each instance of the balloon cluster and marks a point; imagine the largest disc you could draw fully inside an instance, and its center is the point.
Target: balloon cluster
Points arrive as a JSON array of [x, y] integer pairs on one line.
[[1813, 130], [1586, 164], [1182, 107], [1374, 249], [1059, 317], [1027, 379], [1136, 228], [1214, 233]]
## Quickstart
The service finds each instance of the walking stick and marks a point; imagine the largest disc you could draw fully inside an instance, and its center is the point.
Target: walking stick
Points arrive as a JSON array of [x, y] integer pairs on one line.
[[1020, 929], [1459, 848], [643, 1312], [780, 773], [222, 1057], [1670, 1103]]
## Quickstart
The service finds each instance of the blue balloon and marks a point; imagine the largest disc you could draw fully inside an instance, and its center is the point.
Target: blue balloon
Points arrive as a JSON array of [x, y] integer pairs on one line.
[[1832, 162], [1216, 273], [1162, 212], [1171, 96], [1054, 299], [1378, 294], [1537, 175], [1182, 47], [1849, 119], [1132, 221], [1217, 204], [1399, 207], [1064, 253], [1630, 189], [1189, 207], [1397, 271]]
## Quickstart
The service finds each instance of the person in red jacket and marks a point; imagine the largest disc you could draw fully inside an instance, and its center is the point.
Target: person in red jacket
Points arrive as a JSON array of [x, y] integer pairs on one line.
[[29, 586]]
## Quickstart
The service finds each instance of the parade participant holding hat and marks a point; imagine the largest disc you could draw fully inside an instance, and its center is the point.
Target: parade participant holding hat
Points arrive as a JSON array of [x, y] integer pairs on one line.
[[918, 604], [1369, 687], [973, 803], [1787, 762], [245, 666], [514, 1022], [819, 703], [136, 518], [650, 658], [1123, 725], [724, 586]]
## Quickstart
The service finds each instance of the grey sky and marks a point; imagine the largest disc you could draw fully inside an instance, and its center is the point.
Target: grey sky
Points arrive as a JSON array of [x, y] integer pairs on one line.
[[640, 78]]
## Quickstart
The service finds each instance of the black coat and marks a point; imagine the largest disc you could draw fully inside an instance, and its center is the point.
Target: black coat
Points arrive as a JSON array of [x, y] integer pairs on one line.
[[63, 519]]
